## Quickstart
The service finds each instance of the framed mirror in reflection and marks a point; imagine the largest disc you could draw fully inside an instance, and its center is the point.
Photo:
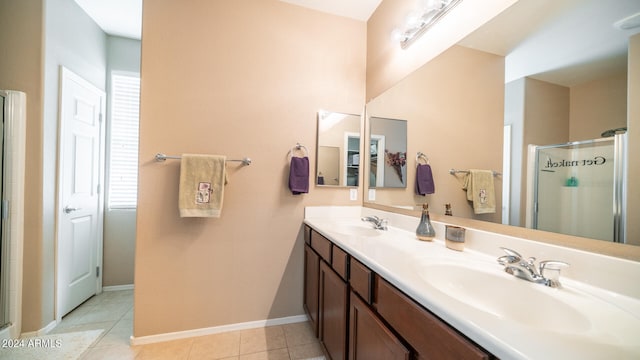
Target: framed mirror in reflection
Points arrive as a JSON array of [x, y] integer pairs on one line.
[[387, 153], [549, 72], [338, 162]]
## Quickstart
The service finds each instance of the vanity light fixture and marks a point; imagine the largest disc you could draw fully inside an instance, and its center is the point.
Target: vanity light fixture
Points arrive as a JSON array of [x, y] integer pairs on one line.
[[418, 23]]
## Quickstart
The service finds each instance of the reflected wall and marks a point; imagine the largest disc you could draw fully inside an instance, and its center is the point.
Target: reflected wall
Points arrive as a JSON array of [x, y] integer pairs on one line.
[[454, 109]]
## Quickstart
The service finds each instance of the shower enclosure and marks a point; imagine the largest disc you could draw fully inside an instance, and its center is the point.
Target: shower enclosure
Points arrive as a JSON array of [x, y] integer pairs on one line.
[[578, 188]]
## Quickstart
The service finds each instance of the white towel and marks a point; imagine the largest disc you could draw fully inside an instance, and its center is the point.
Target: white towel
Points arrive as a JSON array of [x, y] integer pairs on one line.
[[202, 180]]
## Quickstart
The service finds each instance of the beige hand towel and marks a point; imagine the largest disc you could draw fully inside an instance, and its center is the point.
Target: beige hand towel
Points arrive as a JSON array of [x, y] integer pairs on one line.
[[202, 180], [481, 191]]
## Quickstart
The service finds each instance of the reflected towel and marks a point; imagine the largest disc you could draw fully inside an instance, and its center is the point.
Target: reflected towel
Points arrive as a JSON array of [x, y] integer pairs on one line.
[[481, 191], [299, 175], [424, 180], [202, 180]]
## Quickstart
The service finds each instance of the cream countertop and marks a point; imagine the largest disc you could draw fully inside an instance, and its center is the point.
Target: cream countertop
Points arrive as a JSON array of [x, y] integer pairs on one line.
[[609, 330]]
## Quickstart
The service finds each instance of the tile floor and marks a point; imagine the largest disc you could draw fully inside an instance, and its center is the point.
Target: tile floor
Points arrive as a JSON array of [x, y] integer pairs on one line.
[[113, 312]]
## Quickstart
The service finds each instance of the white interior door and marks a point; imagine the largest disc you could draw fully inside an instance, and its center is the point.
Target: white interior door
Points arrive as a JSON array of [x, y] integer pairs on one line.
[[79, 198]]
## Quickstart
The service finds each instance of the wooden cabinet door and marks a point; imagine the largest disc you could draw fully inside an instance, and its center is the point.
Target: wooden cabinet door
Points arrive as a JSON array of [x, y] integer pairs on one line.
[[310, 297], [369, 338], [333, 312]]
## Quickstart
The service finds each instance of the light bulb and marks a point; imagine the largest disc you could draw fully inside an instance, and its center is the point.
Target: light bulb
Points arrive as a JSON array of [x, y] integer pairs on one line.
[[397, 35], [431, 4], [413, 19]]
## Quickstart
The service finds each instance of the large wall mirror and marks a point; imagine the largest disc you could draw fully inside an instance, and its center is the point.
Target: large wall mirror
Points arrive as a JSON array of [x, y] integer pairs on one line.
[[542, 72], [338, 162]]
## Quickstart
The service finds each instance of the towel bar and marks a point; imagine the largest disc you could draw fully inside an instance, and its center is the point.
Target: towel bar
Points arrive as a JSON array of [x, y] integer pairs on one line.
[[163, 157], [454, 171]]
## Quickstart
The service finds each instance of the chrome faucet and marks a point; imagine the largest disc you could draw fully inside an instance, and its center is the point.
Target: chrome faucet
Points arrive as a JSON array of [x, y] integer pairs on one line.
[[378, 223], [547, 273]]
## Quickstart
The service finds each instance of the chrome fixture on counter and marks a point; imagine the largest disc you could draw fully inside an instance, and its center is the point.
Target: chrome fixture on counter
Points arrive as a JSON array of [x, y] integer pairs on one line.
[[378, 223], [547, 273]]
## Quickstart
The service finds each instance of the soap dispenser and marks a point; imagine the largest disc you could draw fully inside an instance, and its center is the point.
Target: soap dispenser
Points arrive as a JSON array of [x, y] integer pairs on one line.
[[425, 230]]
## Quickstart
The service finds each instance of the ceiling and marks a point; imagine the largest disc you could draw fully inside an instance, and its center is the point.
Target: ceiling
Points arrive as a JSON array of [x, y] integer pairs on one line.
[[565, 42], [124, 17], [115, 17]]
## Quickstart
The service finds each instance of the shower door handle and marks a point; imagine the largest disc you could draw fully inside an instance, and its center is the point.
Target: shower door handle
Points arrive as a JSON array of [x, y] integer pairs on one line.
[[69, 210]]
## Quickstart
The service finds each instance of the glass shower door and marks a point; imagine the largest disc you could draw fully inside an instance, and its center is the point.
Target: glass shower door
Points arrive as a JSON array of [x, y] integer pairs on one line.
[[577, 189]]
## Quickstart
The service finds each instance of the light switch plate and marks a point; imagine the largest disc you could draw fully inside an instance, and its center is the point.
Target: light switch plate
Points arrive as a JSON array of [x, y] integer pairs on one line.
[[372, 194], [353, 194]]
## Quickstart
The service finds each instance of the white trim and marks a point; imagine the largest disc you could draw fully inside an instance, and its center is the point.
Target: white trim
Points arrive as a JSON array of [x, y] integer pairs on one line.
[[531, 173], [14, 155], [380, 156], [117, 287], [345, 157], [142, 340], [506, 174]]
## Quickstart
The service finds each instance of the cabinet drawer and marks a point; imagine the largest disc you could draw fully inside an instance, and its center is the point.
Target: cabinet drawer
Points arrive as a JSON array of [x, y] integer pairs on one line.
[[361, 279], [339, 262], [427, 334], [321, 245]]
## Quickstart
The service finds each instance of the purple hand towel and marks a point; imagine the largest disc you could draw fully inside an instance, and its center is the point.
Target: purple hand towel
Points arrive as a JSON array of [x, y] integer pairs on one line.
[[424, 180], [299, 175]]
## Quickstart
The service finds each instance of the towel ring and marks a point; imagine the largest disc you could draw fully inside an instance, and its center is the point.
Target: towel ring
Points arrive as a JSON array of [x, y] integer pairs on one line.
[[422, 156], [299, 147]]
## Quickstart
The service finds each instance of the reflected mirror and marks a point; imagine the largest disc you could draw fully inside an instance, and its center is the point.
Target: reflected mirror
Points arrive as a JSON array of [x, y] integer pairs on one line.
[[387, 153], [542, 72], [338, 162]]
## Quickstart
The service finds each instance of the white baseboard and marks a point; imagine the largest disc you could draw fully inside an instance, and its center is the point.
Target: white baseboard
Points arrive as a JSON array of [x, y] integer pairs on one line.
[[216, 330], [117, 287]]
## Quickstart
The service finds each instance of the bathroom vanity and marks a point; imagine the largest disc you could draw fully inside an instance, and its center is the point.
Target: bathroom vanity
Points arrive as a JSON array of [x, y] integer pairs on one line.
[[376, 294]]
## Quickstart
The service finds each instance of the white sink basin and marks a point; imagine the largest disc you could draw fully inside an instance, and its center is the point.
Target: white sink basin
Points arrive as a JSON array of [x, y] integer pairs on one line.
[[356, 229], [505, 296]]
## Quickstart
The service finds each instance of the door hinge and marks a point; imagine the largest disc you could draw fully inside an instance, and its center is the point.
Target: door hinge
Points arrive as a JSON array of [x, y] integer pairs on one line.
[[100, 117], [97, 271], [98, 189]]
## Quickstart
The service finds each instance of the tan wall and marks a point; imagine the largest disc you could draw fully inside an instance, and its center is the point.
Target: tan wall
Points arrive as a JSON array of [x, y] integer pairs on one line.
[[546, 121], [546, 113], [388, 63], [454, 106], [633, 179], [598, 106], [240, 78], [21, 68]]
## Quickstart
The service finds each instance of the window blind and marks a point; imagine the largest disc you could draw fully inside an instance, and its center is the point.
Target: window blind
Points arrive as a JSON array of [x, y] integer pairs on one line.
[[123, 147]]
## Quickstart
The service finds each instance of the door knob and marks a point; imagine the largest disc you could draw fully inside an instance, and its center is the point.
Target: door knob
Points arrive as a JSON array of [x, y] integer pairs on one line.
[[69, 210]]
